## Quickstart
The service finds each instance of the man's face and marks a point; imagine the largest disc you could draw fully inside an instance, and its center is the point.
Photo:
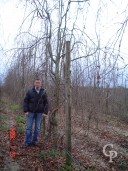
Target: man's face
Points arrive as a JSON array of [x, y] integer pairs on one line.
[[37, 84]]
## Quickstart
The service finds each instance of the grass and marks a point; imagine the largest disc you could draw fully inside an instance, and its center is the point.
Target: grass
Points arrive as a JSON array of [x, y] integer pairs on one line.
[[3, 128], [42, 155], [63, 153], [20, 119], [1, 102], [14, 107], [89, 169], [20, 130], [66, 167], [3, 117], [122, 165], [53, 153]]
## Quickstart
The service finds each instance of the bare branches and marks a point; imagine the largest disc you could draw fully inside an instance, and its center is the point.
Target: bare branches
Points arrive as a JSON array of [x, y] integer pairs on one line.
[[80, 57]]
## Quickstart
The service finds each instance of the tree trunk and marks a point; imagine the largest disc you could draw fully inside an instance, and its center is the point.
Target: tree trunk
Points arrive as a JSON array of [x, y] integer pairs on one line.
[[68, 103]]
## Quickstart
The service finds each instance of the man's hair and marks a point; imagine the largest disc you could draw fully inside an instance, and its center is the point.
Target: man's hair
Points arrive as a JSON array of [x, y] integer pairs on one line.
[[36, 79]]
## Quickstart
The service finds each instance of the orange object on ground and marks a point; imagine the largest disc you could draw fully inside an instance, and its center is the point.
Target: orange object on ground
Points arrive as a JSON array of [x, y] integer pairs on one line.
[[12, 133], [12, 154]]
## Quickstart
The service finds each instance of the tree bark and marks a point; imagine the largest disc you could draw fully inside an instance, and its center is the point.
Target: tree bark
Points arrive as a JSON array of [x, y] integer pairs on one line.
[[68, 103]]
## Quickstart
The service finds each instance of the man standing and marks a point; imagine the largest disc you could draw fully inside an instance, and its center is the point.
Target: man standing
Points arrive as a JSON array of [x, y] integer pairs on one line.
[[35, 104]]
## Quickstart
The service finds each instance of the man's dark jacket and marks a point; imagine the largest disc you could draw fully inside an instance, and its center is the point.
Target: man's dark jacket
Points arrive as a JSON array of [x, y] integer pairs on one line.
[[36, 103]]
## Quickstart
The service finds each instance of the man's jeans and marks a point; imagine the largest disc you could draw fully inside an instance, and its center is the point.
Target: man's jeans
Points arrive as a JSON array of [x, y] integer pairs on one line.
[[32, 118]]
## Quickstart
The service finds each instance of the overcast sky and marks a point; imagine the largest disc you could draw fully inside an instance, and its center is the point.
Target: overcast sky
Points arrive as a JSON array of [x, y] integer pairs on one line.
[[112, 14], [10, 20]]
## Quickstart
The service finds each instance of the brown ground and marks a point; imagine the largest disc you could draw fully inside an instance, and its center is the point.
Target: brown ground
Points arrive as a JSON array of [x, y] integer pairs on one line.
[[87, 146]]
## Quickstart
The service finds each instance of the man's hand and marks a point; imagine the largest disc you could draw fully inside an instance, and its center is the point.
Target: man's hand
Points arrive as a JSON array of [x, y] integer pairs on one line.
[[45, 115], [26, 113]]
